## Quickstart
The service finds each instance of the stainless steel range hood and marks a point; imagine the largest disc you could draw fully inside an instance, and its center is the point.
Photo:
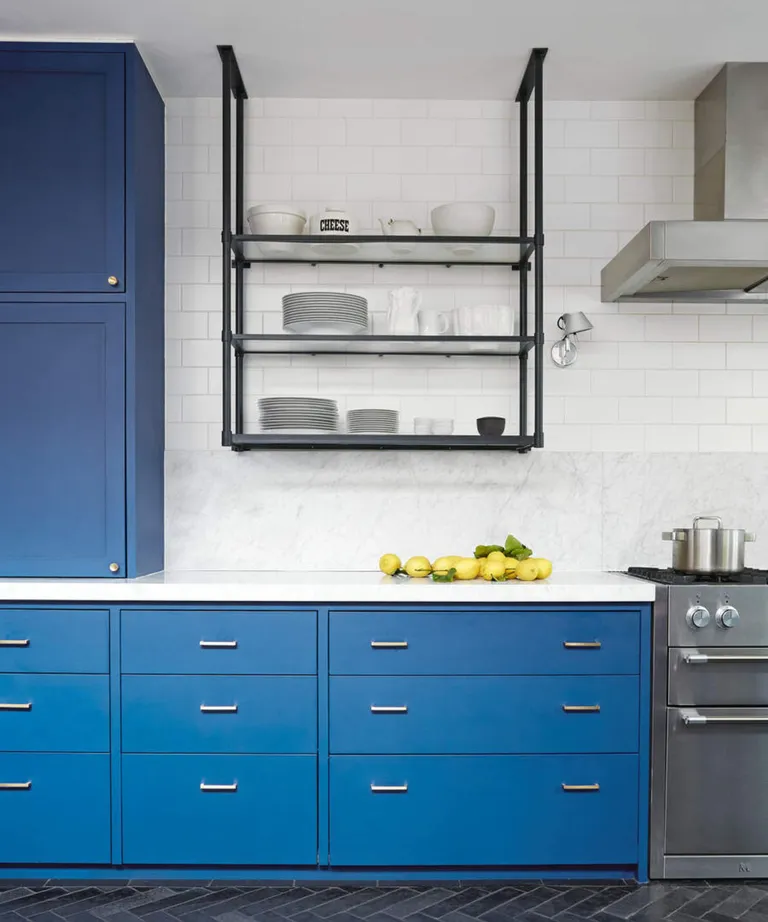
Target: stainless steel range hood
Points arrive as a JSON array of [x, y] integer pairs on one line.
[[723, 253]]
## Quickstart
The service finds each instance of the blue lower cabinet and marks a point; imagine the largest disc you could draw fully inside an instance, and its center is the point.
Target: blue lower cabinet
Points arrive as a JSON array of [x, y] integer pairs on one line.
[[483, 714], [54, 808], [219, 809], [483, 810], [54, 713], [246, 714]]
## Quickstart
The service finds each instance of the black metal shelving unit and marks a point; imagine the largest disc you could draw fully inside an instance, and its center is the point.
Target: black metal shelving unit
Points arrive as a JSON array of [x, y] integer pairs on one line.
[[522, 253]]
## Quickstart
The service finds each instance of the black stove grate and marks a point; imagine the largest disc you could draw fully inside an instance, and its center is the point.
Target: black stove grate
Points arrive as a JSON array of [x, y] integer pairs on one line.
[[669, 577]]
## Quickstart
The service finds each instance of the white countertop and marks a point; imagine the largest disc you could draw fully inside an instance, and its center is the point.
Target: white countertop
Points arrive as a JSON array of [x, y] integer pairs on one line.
[[316, 588]]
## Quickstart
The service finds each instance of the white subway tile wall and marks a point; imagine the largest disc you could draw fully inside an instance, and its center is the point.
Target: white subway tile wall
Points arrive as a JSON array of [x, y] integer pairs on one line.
[[650, 377]]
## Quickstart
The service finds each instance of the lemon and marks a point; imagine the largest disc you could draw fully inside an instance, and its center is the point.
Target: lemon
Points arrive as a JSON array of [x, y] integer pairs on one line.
[[418, 567], [510, 567], [454, 559], [442, 565], [493, 569], [527, 570], [545, 567], [389, 564], [467, 568], [496, 555]]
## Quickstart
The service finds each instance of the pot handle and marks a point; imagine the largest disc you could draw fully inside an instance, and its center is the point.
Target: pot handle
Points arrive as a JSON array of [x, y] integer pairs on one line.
[[750, 536], [672, 536], [711, 518]]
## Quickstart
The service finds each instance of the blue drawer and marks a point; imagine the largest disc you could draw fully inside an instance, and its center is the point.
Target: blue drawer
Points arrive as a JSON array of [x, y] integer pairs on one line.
[[483, 714], [219, 642], [519, 642], [197, 714], [54, 713], [54, 808], [54, 640], [483, 810], [264, 811]]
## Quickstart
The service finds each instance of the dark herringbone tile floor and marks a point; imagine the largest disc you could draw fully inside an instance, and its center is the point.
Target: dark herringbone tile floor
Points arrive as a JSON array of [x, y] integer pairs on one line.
[[530, 901]]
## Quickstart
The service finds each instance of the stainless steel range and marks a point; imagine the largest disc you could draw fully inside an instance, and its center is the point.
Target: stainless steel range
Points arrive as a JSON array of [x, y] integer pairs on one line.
[[709, 725]]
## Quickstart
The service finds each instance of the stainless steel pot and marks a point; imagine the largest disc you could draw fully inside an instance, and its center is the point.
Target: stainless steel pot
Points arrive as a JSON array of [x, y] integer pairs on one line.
[[703, 551]]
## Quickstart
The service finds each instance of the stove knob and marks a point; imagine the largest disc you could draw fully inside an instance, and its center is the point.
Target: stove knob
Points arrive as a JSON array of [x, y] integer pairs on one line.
[[726, 616], [697, 617]]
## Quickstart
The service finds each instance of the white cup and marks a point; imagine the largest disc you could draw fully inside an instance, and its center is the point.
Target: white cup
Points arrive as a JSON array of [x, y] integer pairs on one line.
[[434, 323]]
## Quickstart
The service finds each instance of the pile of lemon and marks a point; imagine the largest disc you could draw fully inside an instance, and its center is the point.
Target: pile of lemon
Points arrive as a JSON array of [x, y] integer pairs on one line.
[[495, 567]]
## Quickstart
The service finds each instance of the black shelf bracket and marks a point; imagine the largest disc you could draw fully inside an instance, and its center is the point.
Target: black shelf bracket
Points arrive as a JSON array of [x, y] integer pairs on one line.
[[237, 345]]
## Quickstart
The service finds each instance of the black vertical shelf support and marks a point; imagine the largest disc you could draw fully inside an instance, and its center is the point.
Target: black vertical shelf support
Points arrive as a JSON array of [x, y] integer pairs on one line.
[[532, 84], [235, 261], [231, 86]]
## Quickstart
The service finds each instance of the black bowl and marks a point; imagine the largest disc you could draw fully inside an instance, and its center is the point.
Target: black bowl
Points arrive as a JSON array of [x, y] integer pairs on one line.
[[491, 425]]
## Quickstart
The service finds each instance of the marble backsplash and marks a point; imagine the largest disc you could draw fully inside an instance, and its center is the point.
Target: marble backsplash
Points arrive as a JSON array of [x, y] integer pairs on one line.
[[342, 510]]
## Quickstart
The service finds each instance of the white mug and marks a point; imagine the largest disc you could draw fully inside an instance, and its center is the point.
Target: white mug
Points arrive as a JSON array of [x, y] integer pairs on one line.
[[434, 323]]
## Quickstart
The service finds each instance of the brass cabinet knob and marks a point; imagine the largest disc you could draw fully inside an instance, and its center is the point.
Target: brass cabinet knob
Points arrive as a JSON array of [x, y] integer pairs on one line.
[[112, 280], [114, 567]]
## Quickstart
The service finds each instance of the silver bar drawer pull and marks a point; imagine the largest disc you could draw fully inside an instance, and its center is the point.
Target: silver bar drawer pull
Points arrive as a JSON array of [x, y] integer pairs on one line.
[[581, 708], [389, 709], [5, 706], [581, 788], [389, 788], [15, 785], [389, 644], [218, 644], [700, 720], [582, 644], [219, 788], [14, 643], [218, 708], [701, 659]]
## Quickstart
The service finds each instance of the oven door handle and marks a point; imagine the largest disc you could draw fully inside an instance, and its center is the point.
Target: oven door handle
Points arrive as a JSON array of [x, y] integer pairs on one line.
[[694, 719], [700, 659]]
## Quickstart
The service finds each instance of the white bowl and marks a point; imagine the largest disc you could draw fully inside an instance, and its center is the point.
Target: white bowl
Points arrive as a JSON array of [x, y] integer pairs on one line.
[[276, 219], [470, 219]]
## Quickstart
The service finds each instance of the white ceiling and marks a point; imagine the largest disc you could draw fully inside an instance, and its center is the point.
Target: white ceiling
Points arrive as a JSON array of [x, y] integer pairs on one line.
[[454, 49]]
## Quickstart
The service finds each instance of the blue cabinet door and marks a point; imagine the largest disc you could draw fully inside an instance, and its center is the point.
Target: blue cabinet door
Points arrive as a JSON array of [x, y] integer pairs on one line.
[[483, 714], [483, 810], [219, 809], [54, 808], [511, 641], [218, 713], [62, 171], [54, 713], [62, 415]]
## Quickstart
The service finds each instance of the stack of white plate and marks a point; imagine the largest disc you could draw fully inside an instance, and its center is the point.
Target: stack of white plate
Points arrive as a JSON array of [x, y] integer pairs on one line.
[[321, 313], [383, 421], [298, 414]]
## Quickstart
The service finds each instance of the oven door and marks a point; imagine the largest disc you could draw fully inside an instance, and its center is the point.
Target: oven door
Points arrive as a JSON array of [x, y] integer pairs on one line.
[[717, 781], [719, 676]]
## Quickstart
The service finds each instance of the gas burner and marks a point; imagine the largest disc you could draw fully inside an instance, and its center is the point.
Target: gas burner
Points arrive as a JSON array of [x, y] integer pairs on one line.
[[668, 577]]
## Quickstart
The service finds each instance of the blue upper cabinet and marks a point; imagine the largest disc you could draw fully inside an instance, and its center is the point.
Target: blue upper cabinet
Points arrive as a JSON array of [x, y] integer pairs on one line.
[[62, 114], [81, 311], [62, 486]]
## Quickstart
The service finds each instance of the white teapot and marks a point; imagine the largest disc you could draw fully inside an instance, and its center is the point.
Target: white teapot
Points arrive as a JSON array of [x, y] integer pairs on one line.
[[399, 228]]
